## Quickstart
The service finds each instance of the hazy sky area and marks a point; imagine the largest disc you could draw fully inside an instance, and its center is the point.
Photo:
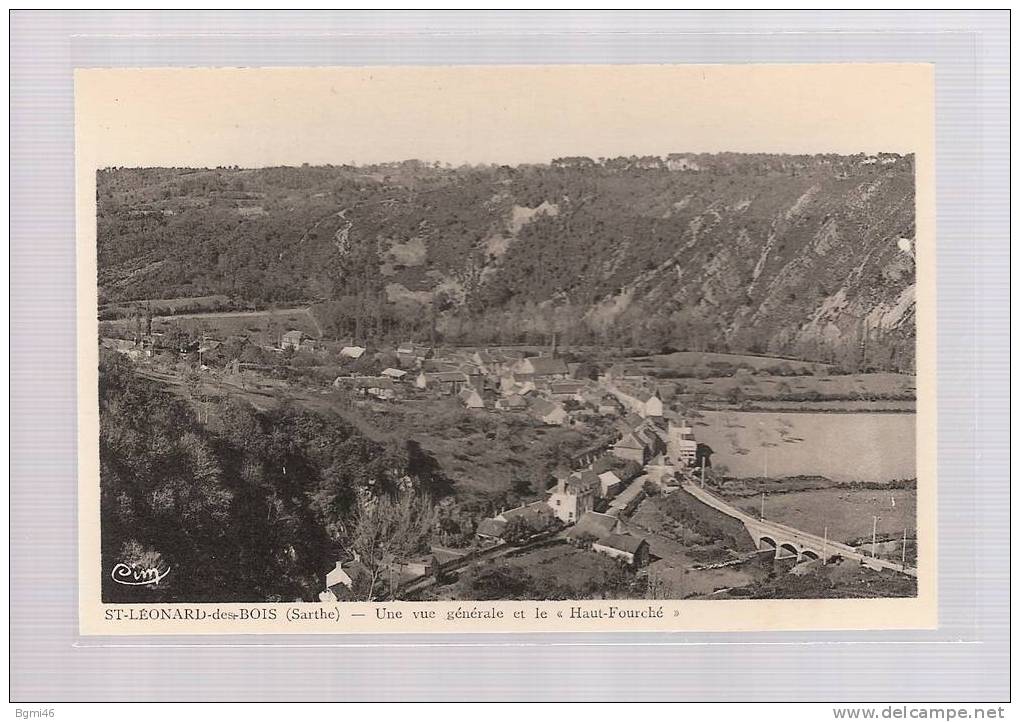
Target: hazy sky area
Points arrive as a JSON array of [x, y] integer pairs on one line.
[[495, 114]]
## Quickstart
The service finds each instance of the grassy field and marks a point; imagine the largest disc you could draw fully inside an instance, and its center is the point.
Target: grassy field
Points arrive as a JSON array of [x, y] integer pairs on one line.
[[229, 323], [557, 571], [484, 452], [841, 580], [165, 306], [686, 361], [842, 447], [848, 513], [676, 550], [584, 573], [898, 390]]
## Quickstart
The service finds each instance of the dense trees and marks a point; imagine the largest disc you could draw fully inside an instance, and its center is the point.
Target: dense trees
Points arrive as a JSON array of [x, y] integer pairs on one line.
[[391, 529], [252, 507], [700, 252]]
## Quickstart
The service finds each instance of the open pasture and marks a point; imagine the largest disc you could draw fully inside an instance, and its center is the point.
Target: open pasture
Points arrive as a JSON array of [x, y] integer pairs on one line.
[[842, 447], [848, 514], [221, 325]]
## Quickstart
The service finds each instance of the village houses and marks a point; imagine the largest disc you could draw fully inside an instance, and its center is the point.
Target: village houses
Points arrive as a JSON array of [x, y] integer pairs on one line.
[[292, 339], [537, 515], [631, 549], [380, 387], [610, 484], [681, 448], [513, 402], [544, 368], [566, 390], [342, 579], [574, 495], [646, 403], [638, 443], [471, 399], [548, 412], [352, 352], [448, 383], [395, 374], [608, 536], [594, 526]]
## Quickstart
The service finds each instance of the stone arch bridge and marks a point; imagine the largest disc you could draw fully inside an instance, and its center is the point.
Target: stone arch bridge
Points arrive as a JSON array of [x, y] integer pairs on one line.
[[787, 542]]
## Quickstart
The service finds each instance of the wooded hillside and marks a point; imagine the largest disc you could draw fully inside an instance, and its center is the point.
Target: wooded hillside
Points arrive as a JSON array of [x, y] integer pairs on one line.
[[807, 256]]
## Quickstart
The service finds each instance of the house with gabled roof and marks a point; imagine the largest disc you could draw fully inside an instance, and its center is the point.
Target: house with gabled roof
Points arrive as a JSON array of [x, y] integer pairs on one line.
[[513, 402], [595, 526], [537, 516], [548, 412], [681, 447], [435, 365], [352, 352], [631, 549], [645, 402], [292, 339], [629, 422], [563, 390], [448, 383], [574, 495], [471, 398], [610, 484], [639, 444], [491, 529], [380, 387], [490, 362], [348, 573], [541, 367]]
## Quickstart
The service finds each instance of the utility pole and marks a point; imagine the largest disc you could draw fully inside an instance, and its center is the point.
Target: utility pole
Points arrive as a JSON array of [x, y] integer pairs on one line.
[[702, 472], [825, 545], [762, 516], [903, 552], [874, 530]]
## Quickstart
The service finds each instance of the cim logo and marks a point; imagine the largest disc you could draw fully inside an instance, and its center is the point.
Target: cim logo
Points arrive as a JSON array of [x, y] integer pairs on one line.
[[137, 576]]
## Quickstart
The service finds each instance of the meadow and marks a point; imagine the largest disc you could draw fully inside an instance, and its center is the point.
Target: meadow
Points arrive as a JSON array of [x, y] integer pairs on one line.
[[270, 323], [848, 514], [864, 391], [687, 361], [844, 447]]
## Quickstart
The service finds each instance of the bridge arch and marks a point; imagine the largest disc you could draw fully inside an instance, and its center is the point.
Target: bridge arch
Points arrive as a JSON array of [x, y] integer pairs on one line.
[[809, 555], [787, 551], [767, 544]]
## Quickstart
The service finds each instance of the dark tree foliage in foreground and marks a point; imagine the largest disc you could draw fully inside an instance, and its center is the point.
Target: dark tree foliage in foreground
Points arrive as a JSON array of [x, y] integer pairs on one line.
[[253, 508]]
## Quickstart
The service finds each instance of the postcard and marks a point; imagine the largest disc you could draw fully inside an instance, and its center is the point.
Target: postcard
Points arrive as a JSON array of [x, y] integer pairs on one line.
[[506, 349]]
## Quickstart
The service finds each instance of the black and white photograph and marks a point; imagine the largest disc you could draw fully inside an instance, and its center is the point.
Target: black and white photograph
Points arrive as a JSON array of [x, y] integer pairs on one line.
[[683, 376], [502, 356]]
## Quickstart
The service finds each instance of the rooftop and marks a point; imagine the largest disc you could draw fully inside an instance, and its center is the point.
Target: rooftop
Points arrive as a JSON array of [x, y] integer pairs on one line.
[[594, 524], [547, 365], [623, 542]]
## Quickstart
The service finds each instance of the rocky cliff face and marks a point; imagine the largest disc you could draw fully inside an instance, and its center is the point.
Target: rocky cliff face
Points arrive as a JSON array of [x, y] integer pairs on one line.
[[802, 255], [812, 259]]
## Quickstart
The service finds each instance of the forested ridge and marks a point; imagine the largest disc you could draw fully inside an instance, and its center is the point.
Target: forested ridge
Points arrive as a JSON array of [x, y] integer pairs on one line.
[[807, 256]]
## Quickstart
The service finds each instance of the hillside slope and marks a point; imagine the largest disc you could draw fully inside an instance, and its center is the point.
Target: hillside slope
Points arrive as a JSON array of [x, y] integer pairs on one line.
[[810, 256]]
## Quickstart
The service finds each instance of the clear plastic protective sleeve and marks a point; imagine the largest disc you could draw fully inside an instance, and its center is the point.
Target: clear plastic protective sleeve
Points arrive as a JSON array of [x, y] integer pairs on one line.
[[964, 657]]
